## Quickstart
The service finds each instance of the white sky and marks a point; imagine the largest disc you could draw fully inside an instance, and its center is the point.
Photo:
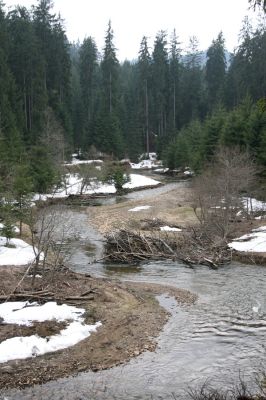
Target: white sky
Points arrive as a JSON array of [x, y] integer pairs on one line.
[[133, 19]]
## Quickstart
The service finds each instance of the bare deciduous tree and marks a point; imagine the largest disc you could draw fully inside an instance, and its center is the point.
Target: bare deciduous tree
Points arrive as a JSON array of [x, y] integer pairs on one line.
[[89, 175], [50, 229], [217, 193]]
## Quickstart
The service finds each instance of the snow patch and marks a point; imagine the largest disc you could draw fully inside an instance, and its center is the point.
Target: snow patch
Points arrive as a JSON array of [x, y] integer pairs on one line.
[[19, 252], [76, 161], [74, 182], [147, 161], [169, 229], [251, 242], [24, 313], [139, 208], [140, 181], [254, 204]]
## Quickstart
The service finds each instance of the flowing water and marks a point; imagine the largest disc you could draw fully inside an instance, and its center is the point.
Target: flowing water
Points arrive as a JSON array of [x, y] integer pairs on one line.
[[218, 339]]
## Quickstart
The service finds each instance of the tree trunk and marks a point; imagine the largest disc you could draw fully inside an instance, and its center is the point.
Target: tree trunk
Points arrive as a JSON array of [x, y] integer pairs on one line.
[[147, 117], [110, 93]]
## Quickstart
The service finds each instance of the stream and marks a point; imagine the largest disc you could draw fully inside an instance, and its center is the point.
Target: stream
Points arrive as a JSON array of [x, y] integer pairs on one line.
[[218, 339]]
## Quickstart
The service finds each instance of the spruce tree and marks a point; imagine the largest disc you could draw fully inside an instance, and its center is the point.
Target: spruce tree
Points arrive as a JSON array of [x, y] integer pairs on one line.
[[160, 84], [215, 71], [144, 84], [88, 70]]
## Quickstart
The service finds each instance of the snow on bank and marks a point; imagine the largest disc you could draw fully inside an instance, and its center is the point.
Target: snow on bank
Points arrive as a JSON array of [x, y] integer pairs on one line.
[[161, 170], [149, 162], [137, 181], [169, 229], [76, 161], [18, 252], [253, 204], [251, 242], [24, 313], [139, 208], [74, 184], [144, 164]]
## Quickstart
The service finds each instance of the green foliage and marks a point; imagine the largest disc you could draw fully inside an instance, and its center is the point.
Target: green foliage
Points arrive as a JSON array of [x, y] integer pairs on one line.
[[196, 144], [215, 71], [54, 96], [7, 231], [118, 176], [8, 217], [42, 171]]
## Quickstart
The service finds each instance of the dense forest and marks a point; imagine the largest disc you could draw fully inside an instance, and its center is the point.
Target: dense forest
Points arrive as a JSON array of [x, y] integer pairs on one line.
[[57, 97]]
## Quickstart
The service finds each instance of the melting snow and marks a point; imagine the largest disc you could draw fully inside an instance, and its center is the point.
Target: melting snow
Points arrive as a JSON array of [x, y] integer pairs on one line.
[[139, 208], [24, 313], [254, 204], [169, 229], [251, 242], [20, 252], [76, 161], [73, 186]]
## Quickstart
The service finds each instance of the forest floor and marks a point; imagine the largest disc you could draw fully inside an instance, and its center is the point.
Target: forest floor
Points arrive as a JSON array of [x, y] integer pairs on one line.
[[131, 320]]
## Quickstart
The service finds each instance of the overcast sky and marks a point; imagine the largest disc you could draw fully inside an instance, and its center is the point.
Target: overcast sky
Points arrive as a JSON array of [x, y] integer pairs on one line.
[[133, 19]]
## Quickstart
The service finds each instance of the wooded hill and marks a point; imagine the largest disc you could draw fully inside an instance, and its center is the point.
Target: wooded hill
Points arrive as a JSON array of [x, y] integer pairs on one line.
[[56, 97]]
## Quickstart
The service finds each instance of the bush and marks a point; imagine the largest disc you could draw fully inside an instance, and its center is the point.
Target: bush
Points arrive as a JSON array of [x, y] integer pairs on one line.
[[118, 176]]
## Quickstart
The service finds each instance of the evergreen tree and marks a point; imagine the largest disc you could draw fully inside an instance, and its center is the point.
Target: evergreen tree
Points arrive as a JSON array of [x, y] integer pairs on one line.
[[160, 84], [215, 71], [129, 110], [88, 69], [192, 88], [174, 82], [28, 66], [144, 82], [10, 138], [110, 70], [108, 129]]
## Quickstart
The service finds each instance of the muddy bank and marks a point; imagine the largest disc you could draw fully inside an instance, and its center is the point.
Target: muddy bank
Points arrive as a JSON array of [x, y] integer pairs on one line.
[[131, 320]]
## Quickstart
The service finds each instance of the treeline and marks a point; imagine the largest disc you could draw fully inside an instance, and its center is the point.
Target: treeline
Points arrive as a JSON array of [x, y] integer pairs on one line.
[[35, 96], [244, 127], [181, 105], [56, 97]]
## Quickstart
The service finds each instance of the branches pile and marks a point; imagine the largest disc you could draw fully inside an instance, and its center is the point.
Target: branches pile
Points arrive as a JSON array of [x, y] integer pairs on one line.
[[130, 247]]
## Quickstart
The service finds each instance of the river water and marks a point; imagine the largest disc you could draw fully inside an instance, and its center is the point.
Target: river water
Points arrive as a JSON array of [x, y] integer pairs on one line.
[[218, 339]]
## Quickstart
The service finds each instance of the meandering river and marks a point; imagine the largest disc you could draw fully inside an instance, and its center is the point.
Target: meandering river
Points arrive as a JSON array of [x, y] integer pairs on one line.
[[218, 339]]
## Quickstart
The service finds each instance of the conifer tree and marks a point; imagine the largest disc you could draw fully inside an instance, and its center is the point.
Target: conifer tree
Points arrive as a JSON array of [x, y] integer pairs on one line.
[[215, 71], [110, 69], [160, 83], [144, 83], [174, 81], [88, 70]]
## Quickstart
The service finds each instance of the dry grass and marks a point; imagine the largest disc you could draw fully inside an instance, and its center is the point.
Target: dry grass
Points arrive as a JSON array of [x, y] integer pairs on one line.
[[172, 208]]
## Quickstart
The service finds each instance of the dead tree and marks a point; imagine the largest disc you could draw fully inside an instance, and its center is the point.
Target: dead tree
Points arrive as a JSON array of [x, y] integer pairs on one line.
[[218, 192]]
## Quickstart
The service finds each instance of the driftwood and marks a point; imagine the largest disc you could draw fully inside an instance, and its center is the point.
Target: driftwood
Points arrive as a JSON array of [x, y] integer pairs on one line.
[[189, 248], [45, 295]]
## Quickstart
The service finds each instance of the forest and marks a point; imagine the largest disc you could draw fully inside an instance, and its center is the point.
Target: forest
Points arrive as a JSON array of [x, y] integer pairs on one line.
[[57, 97]]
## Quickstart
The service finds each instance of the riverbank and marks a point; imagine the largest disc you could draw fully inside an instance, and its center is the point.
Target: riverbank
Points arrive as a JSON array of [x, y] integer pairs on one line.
[[171, 207], [170, 212], [131, 320]]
